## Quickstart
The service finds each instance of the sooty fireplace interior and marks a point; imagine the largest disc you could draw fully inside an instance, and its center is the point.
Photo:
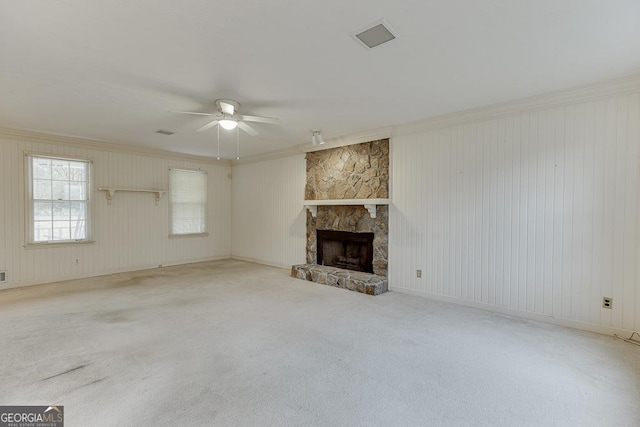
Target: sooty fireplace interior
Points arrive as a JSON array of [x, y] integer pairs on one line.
[[343, 249]]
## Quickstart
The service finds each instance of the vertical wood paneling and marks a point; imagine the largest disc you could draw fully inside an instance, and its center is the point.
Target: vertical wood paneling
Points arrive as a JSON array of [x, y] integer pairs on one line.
[[131, 233], [620, 150], [635, 119], [536, 211], [632, 215], [4, 212], [268, 215]]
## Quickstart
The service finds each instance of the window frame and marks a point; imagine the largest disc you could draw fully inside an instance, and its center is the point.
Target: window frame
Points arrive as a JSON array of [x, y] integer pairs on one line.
[[205, 233], [28, 193]]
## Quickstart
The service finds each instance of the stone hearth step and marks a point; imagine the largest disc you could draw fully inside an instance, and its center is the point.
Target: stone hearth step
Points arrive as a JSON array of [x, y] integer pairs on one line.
[[365, 283]]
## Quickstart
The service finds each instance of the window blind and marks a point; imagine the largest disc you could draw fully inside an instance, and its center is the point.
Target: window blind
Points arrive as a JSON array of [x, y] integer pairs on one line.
[[188, 201]]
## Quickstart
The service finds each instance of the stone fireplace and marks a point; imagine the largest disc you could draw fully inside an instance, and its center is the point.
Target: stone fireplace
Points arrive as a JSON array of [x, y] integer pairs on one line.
[[352, 219], [347, 194]]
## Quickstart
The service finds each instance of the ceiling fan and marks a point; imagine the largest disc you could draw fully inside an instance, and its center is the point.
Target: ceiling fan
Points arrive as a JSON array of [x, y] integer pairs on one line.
[[228, 118]]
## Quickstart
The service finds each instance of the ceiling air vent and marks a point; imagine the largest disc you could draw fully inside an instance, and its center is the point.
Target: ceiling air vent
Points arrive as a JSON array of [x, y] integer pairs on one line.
[[3, 277], [164, 132], [375, 34]]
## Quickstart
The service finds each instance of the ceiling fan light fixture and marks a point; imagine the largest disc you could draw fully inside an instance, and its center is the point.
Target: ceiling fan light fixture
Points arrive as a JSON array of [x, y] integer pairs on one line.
[[228, 124]]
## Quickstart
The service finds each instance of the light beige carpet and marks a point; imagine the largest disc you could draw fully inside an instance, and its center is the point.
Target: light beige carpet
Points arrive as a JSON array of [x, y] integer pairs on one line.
[[233, 343]]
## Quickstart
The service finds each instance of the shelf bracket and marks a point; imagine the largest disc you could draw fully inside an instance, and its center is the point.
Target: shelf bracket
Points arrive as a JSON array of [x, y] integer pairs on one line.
[[159, 195], [110, 194], [313, 209], [371, 209]]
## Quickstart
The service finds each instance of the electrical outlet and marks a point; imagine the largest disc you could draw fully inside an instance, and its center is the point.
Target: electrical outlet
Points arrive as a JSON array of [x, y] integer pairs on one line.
[[418, 273], [607, 302], [3, 277]]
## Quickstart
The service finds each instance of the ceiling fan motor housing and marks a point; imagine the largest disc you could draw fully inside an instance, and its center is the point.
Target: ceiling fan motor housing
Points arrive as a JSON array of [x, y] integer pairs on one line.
[[227, 106]]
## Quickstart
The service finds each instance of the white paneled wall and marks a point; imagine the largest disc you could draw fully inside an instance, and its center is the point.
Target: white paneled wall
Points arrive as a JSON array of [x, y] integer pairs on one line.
[[269, 220], [131, 233], [534, 212]]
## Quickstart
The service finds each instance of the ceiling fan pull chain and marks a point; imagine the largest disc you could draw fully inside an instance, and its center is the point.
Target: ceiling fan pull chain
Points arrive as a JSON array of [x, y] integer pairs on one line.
[[218, 142], [237, 144]]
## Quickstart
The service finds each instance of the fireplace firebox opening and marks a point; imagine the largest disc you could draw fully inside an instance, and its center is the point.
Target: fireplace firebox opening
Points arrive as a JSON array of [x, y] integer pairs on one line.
[[343, 249]]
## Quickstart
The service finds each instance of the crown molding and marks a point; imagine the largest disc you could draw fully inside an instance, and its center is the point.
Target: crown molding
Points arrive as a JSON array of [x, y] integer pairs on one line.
[[271, 155], [604, 89], [94, 144], [357, 138]]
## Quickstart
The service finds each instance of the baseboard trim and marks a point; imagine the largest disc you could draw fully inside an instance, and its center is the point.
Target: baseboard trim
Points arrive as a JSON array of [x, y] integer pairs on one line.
[[583, 326], [108, 272], [261, 262], [195, 261]]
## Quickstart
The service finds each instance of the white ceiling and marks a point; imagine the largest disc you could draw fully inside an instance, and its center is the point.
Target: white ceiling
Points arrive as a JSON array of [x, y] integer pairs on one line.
[[113, 70]]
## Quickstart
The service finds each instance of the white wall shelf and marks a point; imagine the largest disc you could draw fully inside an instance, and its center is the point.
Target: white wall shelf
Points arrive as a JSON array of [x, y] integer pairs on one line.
[[112, 192], [369, 204]]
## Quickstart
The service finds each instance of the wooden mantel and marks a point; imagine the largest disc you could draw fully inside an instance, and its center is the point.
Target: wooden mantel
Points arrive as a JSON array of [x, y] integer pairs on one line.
[[369, 204]]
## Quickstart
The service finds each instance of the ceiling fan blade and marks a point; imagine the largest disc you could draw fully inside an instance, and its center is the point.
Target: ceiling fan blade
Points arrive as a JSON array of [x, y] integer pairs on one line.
[[259, 119], [208, 125], [248, 129], [193, 112], [227, 108]]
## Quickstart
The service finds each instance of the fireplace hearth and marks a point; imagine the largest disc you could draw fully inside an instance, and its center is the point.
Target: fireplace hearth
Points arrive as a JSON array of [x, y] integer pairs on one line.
[[344, 249]]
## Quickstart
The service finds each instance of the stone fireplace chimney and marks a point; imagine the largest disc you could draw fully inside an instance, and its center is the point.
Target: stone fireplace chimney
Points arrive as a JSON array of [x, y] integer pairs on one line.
[[359, 171]]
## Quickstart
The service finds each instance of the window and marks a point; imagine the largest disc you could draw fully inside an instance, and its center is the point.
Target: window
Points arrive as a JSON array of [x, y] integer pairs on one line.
[[59, 208], [188, 201]]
